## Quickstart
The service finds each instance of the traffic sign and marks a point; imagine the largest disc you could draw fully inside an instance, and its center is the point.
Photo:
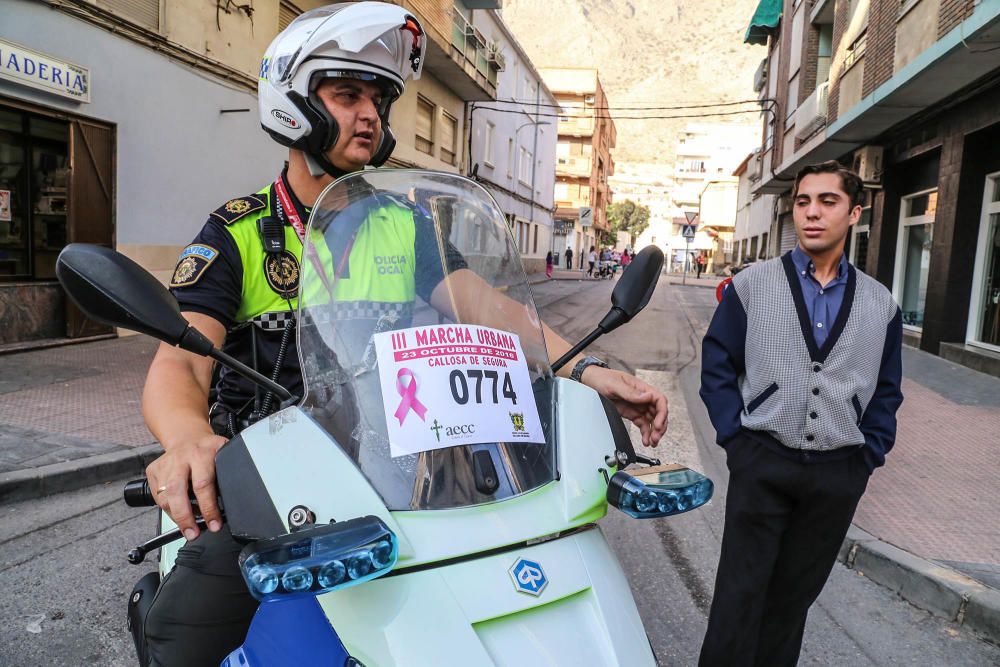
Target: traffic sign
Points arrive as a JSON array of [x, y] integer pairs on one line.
[[586, 216], [690, 215], [688, 231]]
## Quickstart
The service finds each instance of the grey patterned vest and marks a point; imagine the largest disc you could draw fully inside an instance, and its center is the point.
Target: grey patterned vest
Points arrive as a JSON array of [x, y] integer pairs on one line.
[[807, 397]]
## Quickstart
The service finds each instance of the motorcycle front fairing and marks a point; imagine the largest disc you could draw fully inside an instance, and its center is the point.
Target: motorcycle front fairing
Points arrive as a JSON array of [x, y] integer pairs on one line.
[[403, 276]]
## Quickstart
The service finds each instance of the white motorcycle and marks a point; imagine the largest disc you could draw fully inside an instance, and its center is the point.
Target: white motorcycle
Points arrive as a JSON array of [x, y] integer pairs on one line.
[[432, 498]]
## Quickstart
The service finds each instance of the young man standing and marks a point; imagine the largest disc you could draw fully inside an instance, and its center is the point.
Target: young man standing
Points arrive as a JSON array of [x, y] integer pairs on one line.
[[801, 370]]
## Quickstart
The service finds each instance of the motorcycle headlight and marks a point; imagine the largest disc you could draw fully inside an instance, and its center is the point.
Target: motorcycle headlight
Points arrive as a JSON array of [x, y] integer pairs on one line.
[[660, 491], [319, 559]]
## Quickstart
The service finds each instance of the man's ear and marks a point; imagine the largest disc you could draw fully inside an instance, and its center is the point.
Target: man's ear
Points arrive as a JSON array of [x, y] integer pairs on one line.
[[855, 215]]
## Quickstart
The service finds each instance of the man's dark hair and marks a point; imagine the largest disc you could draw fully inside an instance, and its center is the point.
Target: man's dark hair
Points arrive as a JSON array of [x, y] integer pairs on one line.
[[850, 182]]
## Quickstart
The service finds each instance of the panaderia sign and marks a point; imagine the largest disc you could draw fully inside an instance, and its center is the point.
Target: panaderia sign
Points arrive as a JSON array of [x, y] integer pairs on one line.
[[43, 72]]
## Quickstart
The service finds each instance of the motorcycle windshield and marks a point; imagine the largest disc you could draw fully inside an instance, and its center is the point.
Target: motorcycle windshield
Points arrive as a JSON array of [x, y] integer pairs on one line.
[[421, 349]]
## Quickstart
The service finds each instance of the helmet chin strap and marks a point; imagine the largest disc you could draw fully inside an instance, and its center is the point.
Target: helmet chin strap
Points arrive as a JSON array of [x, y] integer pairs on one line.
[[322, 166]]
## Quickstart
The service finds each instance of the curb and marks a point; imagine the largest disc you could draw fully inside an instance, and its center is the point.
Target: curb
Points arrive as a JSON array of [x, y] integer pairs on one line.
[[76, 474], [935, 588]]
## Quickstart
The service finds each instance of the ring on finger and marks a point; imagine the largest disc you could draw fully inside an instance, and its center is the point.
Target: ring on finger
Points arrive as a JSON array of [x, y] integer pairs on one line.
[[161, 490]]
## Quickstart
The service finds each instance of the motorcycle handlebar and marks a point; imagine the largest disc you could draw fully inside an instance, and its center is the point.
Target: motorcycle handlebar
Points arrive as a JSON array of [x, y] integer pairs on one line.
[[138, 494]]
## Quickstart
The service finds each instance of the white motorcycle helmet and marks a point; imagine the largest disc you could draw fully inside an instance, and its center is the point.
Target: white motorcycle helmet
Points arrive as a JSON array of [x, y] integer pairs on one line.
[[370, 41]]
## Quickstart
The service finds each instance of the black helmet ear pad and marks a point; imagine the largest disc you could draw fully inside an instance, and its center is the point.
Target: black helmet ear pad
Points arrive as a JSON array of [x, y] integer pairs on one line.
[[385, 146], [323, 130]]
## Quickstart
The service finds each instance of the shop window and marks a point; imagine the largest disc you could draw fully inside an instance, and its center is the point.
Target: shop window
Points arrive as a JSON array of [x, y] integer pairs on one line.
[[425, 126], [34, 181], [984, 323], [913, 256], [858, 255]]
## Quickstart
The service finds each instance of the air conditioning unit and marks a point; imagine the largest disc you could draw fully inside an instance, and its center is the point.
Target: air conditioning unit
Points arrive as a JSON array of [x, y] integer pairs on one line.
[[868, 164], [494, 56], [760, 76]]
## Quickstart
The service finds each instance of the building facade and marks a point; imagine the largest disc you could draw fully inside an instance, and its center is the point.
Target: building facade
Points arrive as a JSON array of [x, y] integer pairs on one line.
[[512, 143], [126, 122], [908, 93], [587, 134], [754, 215]]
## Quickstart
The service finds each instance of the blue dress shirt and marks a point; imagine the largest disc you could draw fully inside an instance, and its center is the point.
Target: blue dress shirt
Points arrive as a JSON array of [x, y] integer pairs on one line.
[[822, 301]]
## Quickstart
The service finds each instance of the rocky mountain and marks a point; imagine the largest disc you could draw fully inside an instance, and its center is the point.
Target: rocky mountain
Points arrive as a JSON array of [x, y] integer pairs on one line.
[[664, 53]]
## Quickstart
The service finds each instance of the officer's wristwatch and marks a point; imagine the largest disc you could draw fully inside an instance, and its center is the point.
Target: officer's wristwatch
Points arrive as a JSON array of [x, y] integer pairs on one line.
[[581, 365]]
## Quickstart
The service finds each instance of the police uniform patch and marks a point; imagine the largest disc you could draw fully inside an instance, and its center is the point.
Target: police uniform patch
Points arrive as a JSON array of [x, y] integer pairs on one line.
[[192, 264], [282, 273], [234, 209]]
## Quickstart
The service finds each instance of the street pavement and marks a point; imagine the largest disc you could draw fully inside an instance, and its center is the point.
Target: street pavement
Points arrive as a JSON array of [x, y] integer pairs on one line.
[[927, 528]]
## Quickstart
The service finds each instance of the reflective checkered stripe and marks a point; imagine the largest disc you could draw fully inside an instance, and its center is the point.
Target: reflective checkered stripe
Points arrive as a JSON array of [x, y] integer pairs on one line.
[[368, 310], [274, 321], [808, 404]]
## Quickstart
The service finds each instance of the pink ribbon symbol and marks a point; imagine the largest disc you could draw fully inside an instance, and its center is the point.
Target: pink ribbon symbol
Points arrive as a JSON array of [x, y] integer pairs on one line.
[[408, 393]]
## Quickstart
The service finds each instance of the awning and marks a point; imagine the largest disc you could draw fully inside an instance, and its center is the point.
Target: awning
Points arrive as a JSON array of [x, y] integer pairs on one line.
[[764, 20]]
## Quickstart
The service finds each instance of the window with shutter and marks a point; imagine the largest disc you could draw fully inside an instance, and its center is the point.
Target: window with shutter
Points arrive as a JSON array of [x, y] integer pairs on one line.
[[425, 126], [145, 13], [449, 132], [287, 12]]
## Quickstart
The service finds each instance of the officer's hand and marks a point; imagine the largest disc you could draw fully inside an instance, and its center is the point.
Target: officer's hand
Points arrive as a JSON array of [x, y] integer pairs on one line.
[[184, 466], [635, 400]]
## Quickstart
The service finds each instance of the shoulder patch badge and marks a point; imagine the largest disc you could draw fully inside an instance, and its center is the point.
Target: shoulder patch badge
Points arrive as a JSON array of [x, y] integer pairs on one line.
[[282, 273], [192, 264], [234, 209]]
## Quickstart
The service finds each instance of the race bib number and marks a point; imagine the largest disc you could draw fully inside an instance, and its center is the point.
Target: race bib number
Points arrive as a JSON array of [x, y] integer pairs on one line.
[[455, 384]]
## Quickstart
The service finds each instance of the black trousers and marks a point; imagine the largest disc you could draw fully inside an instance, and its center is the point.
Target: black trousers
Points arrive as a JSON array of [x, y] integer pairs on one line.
[[202, 610], [785, 522]]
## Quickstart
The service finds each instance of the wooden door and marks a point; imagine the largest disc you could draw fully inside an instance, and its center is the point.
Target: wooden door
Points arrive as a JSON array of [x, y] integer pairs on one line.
[[91, 204]]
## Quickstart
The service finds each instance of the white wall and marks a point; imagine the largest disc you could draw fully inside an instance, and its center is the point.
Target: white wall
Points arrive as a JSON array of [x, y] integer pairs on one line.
[[539, 140], [178, 158]]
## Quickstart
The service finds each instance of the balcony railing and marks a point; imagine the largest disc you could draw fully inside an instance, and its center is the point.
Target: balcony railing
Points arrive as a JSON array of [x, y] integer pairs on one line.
[[481, 57], [573, 165], [811, 114]]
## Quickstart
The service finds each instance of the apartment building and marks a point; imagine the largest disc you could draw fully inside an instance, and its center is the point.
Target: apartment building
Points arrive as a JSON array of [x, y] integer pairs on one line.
[[706, 155], [754, 213], [908, 93], [512, 143], [587, 134], [126, 122]]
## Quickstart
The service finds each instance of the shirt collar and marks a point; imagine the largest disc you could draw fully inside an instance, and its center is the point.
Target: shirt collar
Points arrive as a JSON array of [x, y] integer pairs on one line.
[[804, 265]]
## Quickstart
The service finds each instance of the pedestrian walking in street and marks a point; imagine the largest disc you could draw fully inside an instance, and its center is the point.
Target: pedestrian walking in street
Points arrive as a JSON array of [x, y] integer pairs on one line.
[[801, 371], [569, 258], [699, 263], [548, 264], [626, 259], [592, 260]]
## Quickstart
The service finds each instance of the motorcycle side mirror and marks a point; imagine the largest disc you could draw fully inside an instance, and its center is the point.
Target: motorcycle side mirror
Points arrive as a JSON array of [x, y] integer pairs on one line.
[[634, 288], [631, 294], [659, 491], [112, 289]]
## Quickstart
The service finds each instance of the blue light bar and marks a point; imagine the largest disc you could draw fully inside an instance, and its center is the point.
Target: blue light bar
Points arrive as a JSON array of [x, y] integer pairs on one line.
[[660, 491], [320, 559]]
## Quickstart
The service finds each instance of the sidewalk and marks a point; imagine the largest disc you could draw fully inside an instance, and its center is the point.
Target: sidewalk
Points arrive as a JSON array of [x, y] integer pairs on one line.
[[70, 416], [929, 523]]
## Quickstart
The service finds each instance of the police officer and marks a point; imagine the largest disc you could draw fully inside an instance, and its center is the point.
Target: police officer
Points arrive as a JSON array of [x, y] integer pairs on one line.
[[325, 90]]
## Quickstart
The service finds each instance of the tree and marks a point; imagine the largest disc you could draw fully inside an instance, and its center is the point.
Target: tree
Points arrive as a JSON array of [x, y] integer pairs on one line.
[[628, 216]]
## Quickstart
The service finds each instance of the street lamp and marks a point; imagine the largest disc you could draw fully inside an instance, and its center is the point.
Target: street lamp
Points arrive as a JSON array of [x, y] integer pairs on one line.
[[534, 162]]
